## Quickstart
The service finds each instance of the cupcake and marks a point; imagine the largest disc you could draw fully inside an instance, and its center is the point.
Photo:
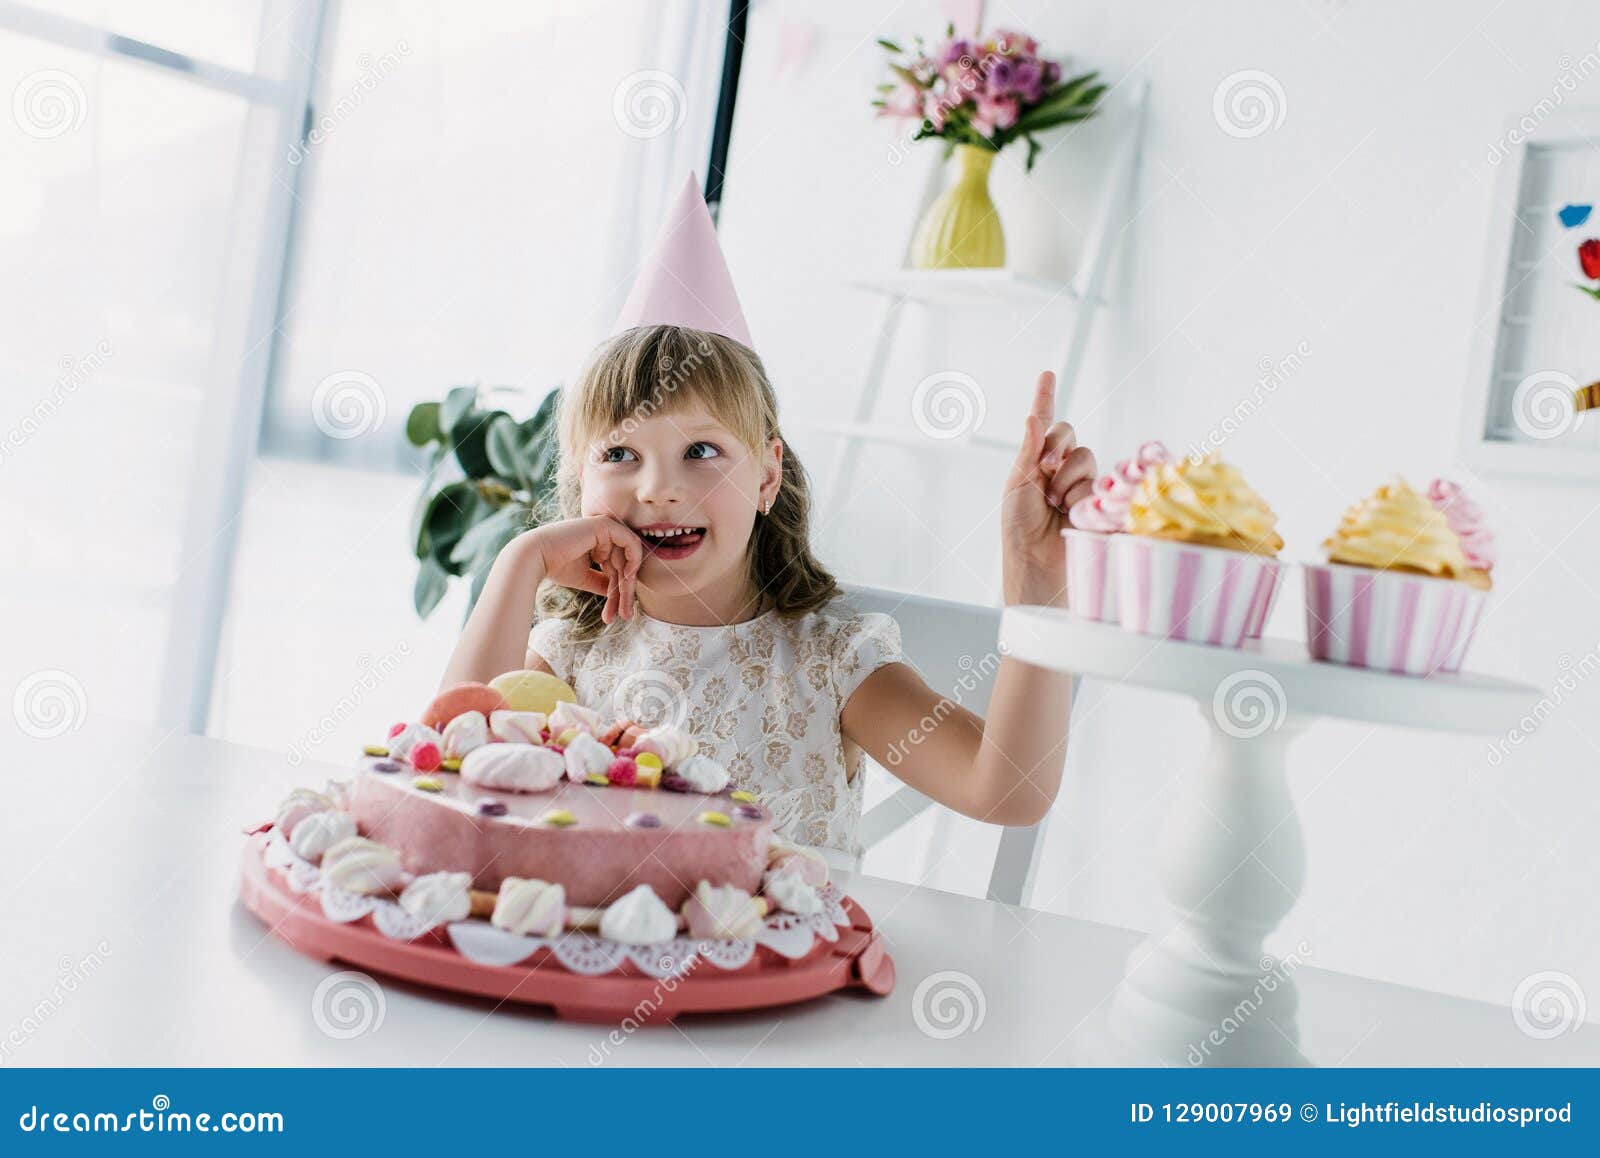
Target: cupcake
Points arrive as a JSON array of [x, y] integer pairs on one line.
[[1466, 520], [1398, 592], [1199, 561], [1091, 580]]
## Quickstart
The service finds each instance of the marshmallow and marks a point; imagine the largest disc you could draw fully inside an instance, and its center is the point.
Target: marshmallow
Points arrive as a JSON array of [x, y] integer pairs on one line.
[[513, 767]]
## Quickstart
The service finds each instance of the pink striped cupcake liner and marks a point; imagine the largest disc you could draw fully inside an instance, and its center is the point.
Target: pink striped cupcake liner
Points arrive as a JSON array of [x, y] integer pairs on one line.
[[1091, 575], [1262, 600], [1389, 620], [1199, 594]]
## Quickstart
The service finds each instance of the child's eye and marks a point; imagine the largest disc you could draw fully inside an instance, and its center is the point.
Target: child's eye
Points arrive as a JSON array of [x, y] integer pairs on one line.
[[616, 454], [701, 450]]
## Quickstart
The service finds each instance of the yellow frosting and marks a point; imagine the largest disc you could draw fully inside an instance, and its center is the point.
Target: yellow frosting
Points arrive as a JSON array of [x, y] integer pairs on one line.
[[1397, 529], [1205, 502]]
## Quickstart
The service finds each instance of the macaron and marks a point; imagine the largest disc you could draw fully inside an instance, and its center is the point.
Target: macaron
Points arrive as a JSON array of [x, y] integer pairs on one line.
[[453, 701]]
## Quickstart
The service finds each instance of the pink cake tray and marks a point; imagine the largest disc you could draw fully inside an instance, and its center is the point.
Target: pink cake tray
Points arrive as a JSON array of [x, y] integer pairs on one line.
[[857, 959]]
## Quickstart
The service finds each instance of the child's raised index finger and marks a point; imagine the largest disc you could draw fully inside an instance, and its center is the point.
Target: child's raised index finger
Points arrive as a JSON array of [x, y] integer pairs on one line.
[[1044, 397]]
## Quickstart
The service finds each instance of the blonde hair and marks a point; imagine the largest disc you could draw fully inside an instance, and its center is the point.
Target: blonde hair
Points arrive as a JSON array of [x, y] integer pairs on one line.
[[656, 369]]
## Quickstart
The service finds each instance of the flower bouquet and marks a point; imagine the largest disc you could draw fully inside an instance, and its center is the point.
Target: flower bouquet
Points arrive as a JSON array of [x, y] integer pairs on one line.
[[978, 96]]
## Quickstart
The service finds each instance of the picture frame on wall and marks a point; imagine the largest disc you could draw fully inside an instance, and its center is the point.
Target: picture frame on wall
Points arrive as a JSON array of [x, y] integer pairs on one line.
[[1536, 337]]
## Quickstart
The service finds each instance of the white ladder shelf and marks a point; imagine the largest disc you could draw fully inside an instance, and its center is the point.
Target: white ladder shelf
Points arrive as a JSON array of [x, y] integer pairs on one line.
[[1011, 879], [987, 288]]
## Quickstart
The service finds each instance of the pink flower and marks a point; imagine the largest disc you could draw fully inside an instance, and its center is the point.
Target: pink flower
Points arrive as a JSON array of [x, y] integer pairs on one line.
[[933, 110], [998, 112], [905, 101]]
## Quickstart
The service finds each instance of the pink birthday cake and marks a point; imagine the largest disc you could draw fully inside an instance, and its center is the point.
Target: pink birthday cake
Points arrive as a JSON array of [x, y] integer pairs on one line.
[[512, 802]]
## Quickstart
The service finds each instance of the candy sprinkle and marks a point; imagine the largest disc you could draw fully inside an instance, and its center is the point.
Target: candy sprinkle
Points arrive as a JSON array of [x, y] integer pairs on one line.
[[642, 820], [384, 766], [374, 750], [717, 818], [427, 783], [451, 764], [648, 760], [646, 776], [559, 817], [597, 778], [747, 811], [491, 807], [742, 796]]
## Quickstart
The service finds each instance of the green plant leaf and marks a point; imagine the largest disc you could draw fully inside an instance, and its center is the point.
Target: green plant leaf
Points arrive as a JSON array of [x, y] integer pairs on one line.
[[429, 588], [451, 512], [456, 403], [1078, 94], [891, 46], [490, 534], [509, 453], [1592, 291], [422, 424], [470, 437]]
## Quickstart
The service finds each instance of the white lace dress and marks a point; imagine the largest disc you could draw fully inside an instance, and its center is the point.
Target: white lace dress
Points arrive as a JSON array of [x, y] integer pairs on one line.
[[763, 698]]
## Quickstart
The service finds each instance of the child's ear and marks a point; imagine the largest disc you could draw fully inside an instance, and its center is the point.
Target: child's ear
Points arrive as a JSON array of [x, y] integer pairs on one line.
[[772, 470]]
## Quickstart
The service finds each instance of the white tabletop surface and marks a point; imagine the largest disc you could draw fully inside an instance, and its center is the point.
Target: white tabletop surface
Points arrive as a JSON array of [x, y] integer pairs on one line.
[[123, 843], [1463, 702]]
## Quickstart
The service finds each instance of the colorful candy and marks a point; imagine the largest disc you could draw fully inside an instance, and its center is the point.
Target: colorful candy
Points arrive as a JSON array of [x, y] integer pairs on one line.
[[386, 766], [600, 778], [396, 729], [426, 757], [559, 817], [742, 796], [623, 772], [450, 765], [642, 820], [644, 776], [647, 760], [491, 807], [462, 698], [747, 811], [719, 819], [427, 783], [376, 749]]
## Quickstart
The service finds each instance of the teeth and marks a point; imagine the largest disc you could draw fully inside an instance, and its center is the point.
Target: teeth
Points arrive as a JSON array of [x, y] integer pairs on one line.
[[669, 534]]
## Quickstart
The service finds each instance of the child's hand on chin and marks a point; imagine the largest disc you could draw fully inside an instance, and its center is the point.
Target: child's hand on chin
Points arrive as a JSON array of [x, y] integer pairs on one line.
[[1050, 474], [572, 548]]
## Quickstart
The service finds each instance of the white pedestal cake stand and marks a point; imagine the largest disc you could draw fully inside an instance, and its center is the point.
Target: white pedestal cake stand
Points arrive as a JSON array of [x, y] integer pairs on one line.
[[1200, 991]]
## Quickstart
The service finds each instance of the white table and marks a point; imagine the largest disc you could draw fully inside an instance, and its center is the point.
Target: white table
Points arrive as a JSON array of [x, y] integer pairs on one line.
[[1201, 990], [127, 837]]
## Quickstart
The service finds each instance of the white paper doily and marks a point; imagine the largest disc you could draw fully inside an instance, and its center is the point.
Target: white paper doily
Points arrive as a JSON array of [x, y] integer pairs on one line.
[[791, 935]]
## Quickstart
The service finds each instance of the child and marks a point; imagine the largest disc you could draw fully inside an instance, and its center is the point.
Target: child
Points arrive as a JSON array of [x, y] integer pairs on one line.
[[680, 583]]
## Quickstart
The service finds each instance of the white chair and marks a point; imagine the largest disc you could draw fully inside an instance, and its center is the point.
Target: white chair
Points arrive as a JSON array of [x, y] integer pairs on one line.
[[945, 641]]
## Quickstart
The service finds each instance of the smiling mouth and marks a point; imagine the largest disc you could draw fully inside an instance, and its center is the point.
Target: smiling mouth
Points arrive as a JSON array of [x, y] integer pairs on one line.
[[672, 542]]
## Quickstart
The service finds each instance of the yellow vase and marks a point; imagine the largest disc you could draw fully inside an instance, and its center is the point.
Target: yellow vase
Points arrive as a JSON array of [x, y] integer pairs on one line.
[[961, 229]]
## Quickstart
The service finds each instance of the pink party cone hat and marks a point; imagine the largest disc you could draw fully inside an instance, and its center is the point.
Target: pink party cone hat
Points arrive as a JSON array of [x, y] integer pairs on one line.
[[685, 282]]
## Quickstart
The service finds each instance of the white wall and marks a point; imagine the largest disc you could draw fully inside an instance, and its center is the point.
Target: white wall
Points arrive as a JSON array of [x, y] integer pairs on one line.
[[1357, 228]]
